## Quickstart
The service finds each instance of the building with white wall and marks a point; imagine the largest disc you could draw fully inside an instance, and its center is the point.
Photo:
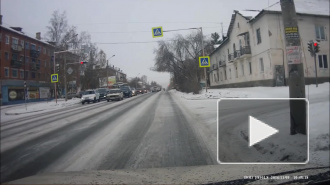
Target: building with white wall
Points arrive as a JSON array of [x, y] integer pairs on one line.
[[253, 52]]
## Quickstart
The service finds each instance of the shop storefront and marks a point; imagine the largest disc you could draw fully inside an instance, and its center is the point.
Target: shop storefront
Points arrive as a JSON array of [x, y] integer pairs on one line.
[[13, 92]]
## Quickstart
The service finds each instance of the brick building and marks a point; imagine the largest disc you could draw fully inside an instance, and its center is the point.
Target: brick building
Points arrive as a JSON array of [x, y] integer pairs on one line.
[[24, 58]]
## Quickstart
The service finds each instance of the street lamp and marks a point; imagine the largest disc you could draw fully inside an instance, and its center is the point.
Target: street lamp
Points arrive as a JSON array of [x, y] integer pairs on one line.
[[108, 69]]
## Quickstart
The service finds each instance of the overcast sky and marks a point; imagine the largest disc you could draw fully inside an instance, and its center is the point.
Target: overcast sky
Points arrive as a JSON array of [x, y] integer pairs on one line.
[[132, 16]]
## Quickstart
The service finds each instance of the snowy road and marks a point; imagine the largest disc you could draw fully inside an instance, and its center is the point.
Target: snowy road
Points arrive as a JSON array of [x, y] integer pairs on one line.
[[146, 131]]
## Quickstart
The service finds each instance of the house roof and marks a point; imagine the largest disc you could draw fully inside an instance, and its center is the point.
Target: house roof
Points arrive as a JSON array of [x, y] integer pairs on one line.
[[24, 34]]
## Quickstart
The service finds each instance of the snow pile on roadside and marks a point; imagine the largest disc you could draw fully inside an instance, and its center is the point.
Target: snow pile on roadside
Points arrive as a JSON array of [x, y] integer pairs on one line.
[[41, 106], [253, 92]]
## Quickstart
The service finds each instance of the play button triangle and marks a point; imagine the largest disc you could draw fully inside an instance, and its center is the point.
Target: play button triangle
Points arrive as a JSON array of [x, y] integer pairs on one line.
[[259, 131]]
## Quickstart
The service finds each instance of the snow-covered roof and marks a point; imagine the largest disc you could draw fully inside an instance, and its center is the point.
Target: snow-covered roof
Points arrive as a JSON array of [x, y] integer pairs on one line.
[[216, 45], [24, 34]]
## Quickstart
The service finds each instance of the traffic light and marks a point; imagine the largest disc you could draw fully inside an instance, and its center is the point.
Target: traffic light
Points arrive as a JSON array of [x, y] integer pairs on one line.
[[316, 48], [57, 68], [311, 47]]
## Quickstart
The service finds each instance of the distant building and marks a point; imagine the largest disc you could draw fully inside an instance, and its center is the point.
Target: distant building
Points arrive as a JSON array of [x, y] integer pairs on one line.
[[24, 58], [253, 53]]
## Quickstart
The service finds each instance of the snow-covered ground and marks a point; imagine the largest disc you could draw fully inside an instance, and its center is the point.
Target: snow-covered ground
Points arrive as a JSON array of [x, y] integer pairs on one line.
[[11, 112], [204, 106]]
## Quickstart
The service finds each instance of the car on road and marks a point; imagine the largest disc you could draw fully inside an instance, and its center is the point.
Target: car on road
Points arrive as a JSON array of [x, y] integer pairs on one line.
[[115, 94], [90, 96], [103, 93], [133, 91], [81, 93], [139, 91], [145, 91], [126, 91]]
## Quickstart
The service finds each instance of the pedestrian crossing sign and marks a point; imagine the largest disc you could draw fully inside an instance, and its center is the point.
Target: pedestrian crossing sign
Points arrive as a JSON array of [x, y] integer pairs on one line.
[[54, 78], [157, 32], [204, 61]]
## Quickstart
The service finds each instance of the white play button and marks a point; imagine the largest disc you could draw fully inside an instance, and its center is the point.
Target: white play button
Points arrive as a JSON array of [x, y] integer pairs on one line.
[[259, 131]]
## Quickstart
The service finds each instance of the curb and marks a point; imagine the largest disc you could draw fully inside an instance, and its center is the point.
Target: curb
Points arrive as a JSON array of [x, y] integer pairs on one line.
[[23, 112]]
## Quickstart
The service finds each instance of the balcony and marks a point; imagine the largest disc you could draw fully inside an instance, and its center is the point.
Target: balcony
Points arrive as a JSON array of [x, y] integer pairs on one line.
[[34, 53], [16, 48], [244, 52], [16, 63]]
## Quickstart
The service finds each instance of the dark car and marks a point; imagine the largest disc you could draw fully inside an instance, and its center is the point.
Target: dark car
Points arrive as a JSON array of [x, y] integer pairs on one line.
[[126, 91], [103, 93], [139, 91]]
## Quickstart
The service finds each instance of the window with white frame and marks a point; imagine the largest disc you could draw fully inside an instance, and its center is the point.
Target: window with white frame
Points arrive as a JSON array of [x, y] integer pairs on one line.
[[22, 43], [14, 40], [323, 61], [21, 74], [258, 36], [14, 73], [242, 68], [6, 39], [6, 72], [261, 62], [320, 33]]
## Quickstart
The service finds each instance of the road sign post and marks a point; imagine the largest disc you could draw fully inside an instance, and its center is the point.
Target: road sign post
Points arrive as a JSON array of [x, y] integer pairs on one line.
[[298, 121]]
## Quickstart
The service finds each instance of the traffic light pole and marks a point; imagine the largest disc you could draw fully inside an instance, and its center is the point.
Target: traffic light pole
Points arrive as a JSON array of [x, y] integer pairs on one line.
[[55, 93], [315, 69], [298, 120]]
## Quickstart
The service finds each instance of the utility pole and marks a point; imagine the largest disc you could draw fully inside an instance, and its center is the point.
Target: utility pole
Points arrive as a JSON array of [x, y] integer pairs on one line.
[[298, 120], [204, 55], [65, 85]]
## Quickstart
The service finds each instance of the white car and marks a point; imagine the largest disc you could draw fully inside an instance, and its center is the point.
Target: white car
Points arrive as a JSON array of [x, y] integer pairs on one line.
[[90, 96], [115, 94]]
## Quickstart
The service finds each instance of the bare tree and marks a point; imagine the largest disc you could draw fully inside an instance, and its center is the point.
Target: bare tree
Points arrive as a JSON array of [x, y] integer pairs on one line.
[[58, 27], [180, 58]]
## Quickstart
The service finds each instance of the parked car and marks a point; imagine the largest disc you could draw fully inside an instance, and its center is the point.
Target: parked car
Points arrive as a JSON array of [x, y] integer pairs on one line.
[[90, 96], [103, 93], [133, 91], [70, 95], [126, 91], [115, 94], [145, 91], [81, 93]]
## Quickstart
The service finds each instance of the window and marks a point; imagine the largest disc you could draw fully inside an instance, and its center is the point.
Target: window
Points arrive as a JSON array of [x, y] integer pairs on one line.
[[250, 67], [221, 76], [33, 47], [242, 68], [21, 74], [39, 48], [218, 74], [39, 76], [6, 55], [320, 34], [0, 37], [21, 58], [258, 36], [22, 43], [45, 51], [7, 39], [26, 74], [261, 65], [14, 40], [238, 25], [214, 77], [26, 59], [14, 73], [225, 74], [27, 45], [6, 72], [14, 56], [45, 64], [323, 61], [229, 73], [33, 75], [236, 71]]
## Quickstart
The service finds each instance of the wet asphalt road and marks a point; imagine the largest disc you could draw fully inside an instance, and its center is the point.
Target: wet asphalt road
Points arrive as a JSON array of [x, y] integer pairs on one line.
[[146, 131]]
